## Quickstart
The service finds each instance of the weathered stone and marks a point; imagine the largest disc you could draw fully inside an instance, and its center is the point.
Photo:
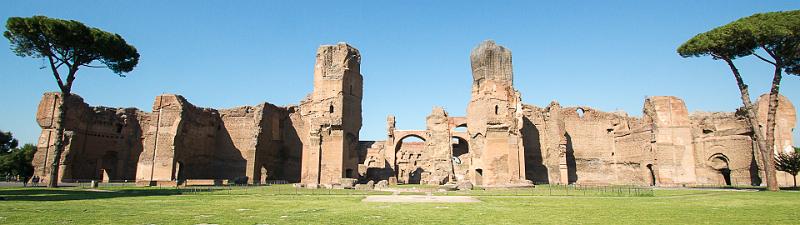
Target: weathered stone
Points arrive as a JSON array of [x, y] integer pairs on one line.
[[382, 184], [348, 183], [464, 185], [500, 142], [364, 187], [370, 184]]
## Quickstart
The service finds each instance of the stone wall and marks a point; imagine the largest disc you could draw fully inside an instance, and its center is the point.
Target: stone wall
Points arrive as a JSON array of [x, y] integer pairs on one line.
[[500, 141], [101, 143], [250, 144]]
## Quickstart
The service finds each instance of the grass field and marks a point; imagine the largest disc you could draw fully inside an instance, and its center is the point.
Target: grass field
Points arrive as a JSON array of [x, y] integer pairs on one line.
[[273, 205]]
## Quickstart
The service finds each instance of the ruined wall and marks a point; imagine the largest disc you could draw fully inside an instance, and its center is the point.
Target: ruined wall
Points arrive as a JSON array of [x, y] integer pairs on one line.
[[593, 154], [164, 124], [673, 139], [102, 143], [493, 115], [317, 142], [724, 147], [785, 121], [332, 114]]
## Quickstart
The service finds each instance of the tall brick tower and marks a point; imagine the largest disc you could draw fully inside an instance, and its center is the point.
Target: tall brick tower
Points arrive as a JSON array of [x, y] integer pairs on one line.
[[494, 116], [333, 115]]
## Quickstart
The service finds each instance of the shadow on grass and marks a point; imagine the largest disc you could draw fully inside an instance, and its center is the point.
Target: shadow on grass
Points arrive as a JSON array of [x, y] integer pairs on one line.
[[45, 194]]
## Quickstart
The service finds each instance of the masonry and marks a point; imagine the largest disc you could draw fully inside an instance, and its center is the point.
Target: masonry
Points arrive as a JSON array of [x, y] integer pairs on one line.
[[499, 142]]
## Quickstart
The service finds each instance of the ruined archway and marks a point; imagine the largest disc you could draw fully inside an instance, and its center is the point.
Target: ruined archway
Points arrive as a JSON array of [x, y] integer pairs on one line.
[[108, 166], [719, 162], [460, 147], [462, 159], [407, 153]]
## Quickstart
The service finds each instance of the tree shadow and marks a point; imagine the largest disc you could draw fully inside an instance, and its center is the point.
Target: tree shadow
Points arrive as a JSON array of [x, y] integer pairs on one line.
[[44, 194]]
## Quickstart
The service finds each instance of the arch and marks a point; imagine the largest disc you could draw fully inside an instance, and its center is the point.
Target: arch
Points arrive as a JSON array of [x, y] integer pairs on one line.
[[496, 109], [581, 112], [405, 172], [652, 175], [720, 163], [403, 134], [460, 128], [460, 146], [108, 166]]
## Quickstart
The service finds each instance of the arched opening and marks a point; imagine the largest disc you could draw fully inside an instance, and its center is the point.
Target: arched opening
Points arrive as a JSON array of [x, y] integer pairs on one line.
[[330, 109], [580, 112], [496, 109], [460, 128], [461, 158], [460, 147], [408, 153], [108, 166], [719, 162], [478, 176], [652, 175]]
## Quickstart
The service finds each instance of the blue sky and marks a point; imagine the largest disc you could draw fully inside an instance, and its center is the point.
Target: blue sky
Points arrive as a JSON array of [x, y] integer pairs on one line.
[[608, 55]]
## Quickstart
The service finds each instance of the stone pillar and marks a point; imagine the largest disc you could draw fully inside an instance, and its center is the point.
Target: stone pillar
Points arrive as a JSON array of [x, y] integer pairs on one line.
[[493, 115], [157, 160], [673, 139], [334, 116], [439, 146]]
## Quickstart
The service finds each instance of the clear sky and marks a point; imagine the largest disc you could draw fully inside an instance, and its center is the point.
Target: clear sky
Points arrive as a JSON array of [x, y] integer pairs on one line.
[[608, 55]]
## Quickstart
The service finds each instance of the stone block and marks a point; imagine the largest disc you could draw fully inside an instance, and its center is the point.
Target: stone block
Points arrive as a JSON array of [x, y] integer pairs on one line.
[[464, 185], [382, 184], [348, 183]]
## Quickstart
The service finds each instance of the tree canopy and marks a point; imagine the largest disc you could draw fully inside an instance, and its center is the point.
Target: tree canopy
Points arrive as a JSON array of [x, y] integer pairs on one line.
[[7, 142], [69, 43], [789, 162], [777, 33], [18, 162]]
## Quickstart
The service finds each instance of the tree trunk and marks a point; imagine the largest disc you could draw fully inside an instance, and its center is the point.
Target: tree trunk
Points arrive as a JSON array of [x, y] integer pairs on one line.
[[772, 181], [758, 136], [59, 145]]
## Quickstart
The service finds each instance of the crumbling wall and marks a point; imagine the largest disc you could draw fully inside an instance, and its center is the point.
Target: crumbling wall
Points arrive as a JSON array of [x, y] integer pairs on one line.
[[163, 125], [195, 152], [493, 115], [724, 149], [438, 144], [592, 154], [332, 114], [237, 138], [102, 143], [673, 139]]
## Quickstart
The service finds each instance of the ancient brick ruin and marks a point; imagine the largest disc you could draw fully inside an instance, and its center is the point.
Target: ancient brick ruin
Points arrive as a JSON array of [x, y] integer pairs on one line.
[[500, 142]]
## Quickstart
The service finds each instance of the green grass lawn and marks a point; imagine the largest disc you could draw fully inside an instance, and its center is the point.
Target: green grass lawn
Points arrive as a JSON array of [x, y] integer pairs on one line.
[[286, 205]]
